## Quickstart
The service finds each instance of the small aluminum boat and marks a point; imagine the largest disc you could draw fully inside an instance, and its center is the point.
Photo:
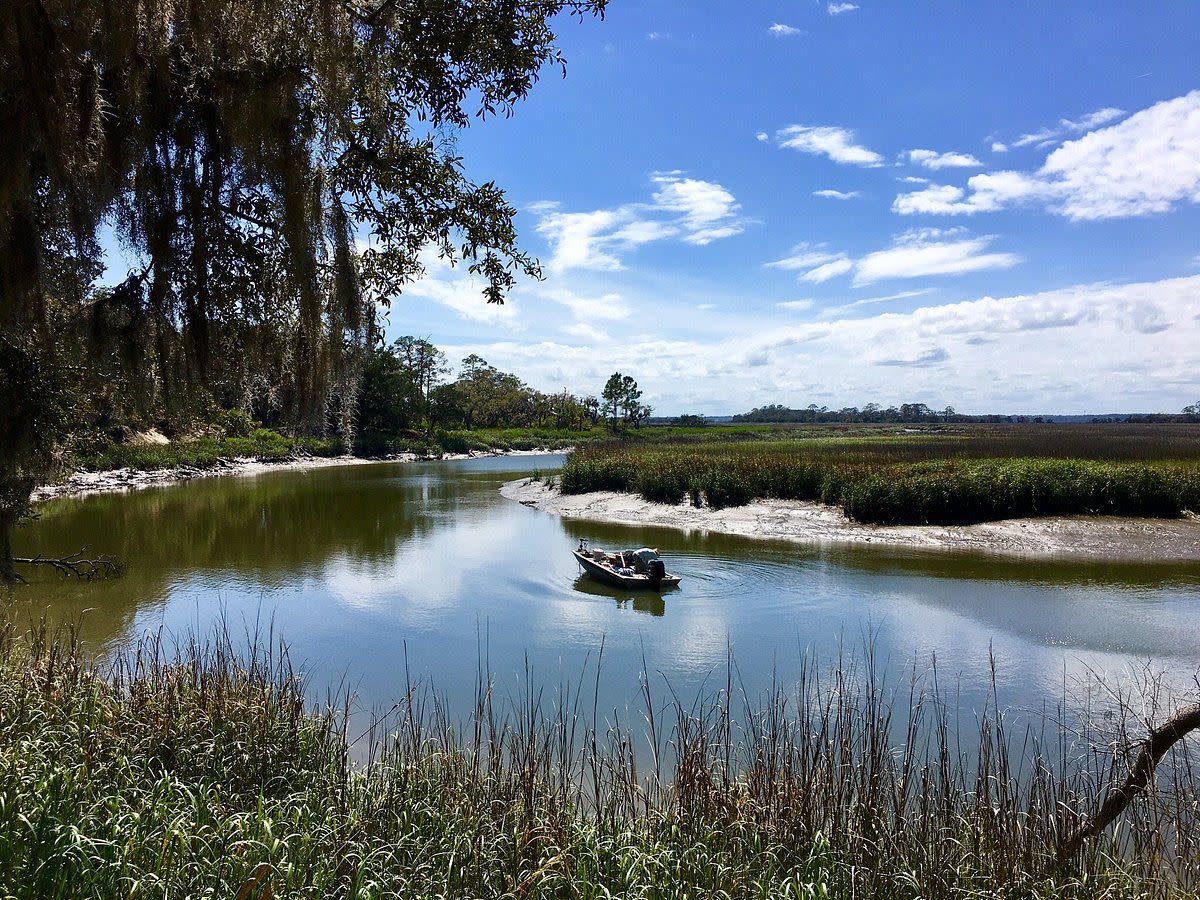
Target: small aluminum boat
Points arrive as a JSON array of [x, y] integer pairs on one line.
[[646, 572]]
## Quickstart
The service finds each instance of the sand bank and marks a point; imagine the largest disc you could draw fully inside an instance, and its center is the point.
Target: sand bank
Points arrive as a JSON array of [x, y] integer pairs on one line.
[[81, 484], [1092, 537]]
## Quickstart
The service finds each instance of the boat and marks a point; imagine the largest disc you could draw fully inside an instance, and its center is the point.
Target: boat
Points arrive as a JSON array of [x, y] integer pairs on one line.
[[635, 570]]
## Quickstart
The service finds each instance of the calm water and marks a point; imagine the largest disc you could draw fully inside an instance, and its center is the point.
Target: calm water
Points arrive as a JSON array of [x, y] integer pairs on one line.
[[358, 566]]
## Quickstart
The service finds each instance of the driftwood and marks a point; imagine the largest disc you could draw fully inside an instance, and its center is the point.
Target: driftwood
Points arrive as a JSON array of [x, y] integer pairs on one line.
[[74, 565], [1154, 747]]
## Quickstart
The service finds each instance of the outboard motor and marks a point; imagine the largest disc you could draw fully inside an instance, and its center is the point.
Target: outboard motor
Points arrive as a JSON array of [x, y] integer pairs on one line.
[[656, 569]]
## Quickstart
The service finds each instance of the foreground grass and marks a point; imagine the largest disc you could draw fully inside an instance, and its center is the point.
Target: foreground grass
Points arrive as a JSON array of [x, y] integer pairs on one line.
[[973, 475], [202, 774]]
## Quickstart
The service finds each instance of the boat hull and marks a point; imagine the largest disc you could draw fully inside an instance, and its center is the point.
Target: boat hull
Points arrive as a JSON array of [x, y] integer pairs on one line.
[[628, 582]]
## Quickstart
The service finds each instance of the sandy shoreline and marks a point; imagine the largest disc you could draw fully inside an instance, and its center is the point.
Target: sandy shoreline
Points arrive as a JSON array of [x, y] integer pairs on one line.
[[1095, 538], [82, 484]]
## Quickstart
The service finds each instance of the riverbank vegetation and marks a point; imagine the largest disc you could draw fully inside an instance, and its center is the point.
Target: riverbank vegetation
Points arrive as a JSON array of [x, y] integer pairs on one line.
[[202, 771], [951, 476]]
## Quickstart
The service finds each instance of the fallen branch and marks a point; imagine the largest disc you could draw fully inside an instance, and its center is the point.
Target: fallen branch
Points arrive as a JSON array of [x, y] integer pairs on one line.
[[1155, 746], [74, 565]]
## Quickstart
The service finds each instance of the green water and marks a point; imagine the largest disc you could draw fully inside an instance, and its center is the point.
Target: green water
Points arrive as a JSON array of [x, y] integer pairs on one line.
[[380, 574]]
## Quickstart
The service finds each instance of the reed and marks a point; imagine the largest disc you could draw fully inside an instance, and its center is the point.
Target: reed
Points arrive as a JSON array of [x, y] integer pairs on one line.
[[975, 475], [203, 771]]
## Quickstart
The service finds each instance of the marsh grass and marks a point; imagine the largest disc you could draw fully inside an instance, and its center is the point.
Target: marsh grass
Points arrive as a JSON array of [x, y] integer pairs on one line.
[[973, 475], [201, 771]]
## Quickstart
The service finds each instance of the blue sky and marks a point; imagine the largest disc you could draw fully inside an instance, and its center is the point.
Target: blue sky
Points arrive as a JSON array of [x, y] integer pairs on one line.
[[1015, 226]]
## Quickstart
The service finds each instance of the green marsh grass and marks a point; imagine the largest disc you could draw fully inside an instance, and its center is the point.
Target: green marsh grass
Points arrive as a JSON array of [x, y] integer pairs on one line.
[[202, 771], [973, 475]]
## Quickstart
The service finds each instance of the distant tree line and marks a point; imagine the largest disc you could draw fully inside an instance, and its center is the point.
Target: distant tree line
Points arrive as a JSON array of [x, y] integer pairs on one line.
[[915, 413]]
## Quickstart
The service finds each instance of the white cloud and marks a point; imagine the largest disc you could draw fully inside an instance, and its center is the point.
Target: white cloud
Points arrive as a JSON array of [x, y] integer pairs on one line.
[[922, 254], [913, 179], [690, 209], [610, 306], [827, 271], [658, 36], [836, 9], [458, 290], [804, 256], [914, 254], [795, 305], [931, 159], [827, 140], [781, 30], [705, 306], [831, 194], [1089, 348], [762, 136], [1146, 164], [998, 147], [1069, 126], [586, 331], [873, 301]]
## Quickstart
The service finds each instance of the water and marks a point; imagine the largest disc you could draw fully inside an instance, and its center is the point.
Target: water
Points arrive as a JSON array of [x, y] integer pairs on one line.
[[380, 574]]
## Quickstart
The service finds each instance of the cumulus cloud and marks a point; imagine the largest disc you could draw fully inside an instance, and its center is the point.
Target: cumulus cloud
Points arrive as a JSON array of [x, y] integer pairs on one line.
[[831, 194], [692, 210], [931, 159], [781, 30], [836, 9], [828, 140], [1147, 164], [762, 136], [999, 147]]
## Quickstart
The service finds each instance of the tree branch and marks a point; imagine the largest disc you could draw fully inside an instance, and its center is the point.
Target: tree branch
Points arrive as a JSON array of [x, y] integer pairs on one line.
[[75, 564], [1155, 746]]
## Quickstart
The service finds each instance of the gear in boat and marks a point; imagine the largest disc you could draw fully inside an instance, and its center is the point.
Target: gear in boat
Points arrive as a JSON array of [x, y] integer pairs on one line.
[[632, 569]]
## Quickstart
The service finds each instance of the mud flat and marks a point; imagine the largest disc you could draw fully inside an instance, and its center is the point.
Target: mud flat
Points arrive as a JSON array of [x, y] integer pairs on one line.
[[1090, 537]]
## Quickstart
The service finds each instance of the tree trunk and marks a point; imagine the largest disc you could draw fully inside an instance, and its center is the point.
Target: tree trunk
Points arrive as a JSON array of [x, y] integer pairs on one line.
[[8, 571]]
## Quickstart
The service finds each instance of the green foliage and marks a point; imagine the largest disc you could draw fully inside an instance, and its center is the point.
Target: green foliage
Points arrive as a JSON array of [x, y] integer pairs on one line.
[[204, 453], [201, 773], [972, 476]]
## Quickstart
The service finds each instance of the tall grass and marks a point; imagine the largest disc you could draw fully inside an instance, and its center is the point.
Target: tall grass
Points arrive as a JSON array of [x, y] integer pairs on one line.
[[199, 772], [975, 475]]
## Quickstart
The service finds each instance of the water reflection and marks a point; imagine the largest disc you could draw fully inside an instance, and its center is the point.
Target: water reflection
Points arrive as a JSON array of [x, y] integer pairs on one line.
[[364, 567]]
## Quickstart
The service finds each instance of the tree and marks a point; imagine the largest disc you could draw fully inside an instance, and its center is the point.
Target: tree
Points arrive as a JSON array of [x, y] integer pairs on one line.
[[613, 396], [238, 148]]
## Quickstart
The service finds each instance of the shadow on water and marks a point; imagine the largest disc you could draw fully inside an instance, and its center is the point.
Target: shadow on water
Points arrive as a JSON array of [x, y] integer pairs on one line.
[[367, 568]]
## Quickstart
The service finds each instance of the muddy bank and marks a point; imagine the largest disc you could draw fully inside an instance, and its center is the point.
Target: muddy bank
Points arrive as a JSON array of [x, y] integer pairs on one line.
[[1146, 540], [82, 483]]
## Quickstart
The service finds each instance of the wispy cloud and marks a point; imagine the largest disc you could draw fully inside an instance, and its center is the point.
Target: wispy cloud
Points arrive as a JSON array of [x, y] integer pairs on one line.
[[874, 301], [1147, 164], [781, 30], [931, 159], [689, 209], [930, 252], [1069, 126], [999, 147], [827, 140], [795, 305], [914, 254], [831, 194], [837, 9], [930, 357]]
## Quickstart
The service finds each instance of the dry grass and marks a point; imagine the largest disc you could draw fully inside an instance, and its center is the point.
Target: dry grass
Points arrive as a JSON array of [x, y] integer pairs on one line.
[[200, 772]]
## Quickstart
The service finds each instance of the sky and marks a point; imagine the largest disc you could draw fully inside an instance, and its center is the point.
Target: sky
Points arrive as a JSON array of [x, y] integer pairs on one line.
[[989, 206]]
